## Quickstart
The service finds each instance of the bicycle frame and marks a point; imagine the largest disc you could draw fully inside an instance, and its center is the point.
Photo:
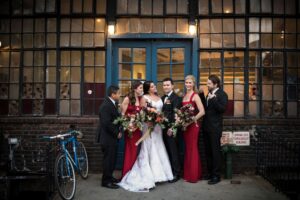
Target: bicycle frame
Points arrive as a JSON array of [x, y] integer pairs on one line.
[[74, 161]]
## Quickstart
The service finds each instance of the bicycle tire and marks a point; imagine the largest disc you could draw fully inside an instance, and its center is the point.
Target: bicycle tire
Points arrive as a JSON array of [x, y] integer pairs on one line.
[[82, 160], [59, 171]]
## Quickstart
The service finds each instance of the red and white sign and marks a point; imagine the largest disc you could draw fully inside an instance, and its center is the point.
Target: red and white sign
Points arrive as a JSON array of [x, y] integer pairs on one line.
[[239, 138]]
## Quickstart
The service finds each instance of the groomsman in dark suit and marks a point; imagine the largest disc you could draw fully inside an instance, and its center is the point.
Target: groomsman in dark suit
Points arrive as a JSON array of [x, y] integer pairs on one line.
[[171, 101], [108, 135], [215, 105]]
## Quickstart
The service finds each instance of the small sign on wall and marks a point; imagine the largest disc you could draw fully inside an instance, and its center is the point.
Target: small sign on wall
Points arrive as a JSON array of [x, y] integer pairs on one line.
[[239, 138]]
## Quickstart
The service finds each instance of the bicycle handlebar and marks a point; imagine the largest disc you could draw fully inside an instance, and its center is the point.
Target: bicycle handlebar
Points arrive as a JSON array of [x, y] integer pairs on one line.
[[62, 136]]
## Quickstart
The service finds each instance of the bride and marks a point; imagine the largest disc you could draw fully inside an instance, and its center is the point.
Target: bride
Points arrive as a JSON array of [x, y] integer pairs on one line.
[[152, 164]]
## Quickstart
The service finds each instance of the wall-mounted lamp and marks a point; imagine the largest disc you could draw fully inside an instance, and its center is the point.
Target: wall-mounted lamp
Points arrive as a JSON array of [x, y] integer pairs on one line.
[[192, 28], [111, 28], [0, 44]]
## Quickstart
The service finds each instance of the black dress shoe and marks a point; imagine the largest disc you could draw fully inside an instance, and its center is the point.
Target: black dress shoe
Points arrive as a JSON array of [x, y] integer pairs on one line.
[[110, 185], [176, 178], [214, 180], [114, 180]]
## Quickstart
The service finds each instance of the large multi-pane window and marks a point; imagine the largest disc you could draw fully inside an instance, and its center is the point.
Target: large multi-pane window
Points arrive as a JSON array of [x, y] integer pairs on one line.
[[229, 65], [221, 7], [77, 32], [218, 33], [152, 25], [152, 7], [255, 56], [52, 64]]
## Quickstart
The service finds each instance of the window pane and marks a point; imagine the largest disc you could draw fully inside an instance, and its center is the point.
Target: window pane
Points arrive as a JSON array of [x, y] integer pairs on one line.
[[75, 91], [266, 6], [182, 7], [278, 92], [253, 108], [170, 25], [101, 7], [254, 25], [163, 71], [64, 91], [125, 55], [139, 71], [121, 6], [255, 6], [157, 26], [87, 6], [266, 25], [238, 108], [267, 92], [51, 74], [158, 7], [266, 40], [163, 55], [146, 7], [216, 26], [100, 75], [64, 107], [292, 109], [139, 55], [171, 6], [240, 6], [146, 25], [228, 25], [76, 39], [75, 107], [77, 6], [124, 71], [178, 72], [227, 6], [75, 74], [203, 7], [182, 26], [278, 6], [216, 6]]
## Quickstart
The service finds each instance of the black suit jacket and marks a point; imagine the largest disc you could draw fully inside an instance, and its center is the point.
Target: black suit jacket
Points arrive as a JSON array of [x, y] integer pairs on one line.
[[213, 118], [174, 101], [108, 132]]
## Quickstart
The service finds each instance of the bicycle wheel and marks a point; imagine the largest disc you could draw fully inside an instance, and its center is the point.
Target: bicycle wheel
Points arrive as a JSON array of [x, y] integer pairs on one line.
[[82, 160], [64, 177]]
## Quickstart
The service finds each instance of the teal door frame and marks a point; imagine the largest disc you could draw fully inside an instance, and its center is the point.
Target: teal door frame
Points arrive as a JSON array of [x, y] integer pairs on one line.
[[112, 39]]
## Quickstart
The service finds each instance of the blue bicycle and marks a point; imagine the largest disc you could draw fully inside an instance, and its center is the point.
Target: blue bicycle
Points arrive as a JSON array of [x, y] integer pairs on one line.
[[66, 162]]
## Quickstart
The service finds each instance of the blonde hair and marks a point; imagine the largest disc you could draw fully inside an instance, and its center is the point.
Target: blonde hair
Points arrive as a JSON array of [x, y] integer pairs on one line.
[[193, 79]]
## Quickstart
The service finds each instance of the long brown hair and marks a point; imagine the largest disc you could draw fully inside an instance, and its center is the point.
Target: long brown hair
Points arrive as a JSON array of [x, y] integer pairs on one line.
[[131, 94]]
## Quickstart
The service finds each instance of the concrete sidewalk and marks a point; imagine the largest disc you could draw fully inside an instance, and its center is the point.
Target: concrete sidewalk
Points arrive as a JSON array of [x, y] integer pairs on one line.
[[251, 188]]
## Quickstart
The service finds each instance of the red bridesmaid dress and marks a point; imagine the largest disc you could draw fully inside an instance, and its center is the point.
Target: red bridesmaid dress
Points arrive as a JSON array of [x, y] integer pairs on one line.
[[131, 150], [192, 171]]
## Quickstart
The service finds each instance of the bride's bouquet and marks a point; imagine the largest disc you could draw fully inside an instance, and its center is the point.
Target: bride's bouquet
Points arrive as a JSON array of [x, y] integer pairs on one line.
[[183, 117], [151, 117], [129, 122]]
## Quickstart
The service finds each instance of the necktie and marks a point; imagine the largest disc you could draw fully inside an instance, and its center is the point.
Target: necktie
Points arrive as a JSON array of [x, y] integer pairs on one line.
[[166, 98]]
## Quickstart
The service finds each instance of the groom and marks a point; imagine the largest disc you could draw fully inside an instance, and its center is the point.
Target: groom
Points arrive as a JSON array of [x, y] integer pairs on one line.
[[109, 135], [171, 101], [215, 105]]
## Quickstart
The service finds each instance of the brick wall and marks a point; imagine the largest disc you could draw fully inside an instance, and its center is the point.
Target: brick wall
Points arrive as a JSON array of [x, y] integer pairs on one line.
[[32, 128]]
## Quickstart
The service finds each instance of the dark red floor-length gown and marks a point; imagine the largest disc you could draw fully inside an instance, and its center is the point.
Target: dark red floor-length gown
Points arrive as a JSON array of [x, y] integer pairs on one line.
[[192, 171]]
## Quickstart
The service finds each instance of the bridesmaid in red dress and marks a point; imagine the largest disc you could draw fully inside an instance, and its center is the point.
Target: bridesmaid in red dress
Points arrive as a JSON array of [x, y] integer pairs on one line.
[[192, 171], [132, 104]]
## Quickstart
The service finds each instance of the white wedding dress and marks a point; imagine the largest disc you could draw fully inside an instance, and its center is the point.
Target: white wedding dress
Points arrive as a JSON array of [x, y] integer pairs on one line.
[[152, 164]]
